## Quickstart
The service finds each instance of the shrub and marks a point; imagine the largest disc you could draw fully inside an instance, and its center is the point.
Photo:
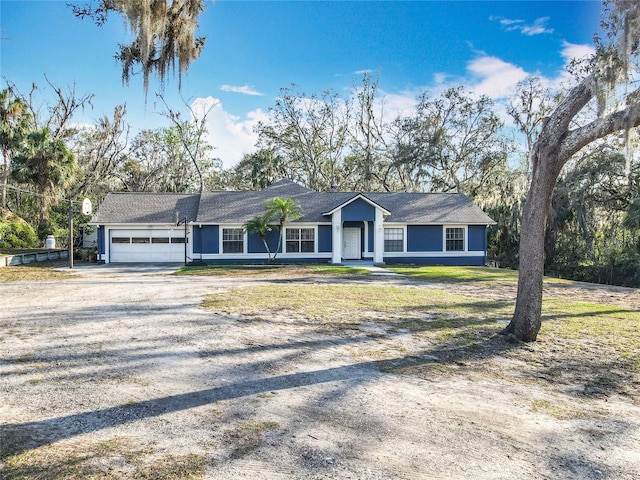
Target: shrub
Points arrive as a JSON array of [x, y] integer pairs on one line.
[[15, 232]]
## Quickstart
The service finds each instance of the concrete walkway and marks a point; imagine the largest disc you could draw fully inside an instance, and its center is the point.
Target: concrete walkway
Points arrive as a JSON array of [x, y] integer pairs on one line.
[[374, 269]]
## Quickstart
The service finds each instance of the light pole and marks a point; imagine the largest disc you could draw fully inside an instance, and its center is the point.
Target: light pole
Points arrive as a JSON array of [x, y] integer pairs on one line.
[[86, 209], [184, 221]]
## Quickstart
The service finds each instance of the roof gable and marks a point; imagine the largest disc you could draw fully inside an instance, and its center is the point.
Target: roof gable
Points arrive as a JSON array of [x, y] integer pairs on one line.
[[353, 199]]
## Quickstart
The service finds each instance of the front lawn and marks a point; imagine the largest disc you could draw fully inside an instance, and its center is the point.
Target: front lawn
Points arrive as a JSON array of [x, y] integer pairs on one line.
[[31, 273], [212, 269], [457, 274], [436, 329]]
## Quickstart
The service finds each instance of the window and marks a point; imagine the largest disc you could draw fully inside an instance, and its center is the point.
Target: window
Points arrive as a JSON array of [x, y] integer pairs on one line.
[[455, 239], [232, 240], [393, 239], [301, 240], [120, 240], [177, 240], [159, 239], [140, 240]]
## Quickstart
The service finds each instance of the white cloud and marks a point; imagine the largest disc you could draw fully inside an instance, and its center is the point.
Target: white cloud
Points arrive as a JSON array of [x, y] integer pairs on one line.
[[399, 104], [487, 75], [232, 136], [508, 22], [494, 77], [572, 51], [538, 27], [244, 89]]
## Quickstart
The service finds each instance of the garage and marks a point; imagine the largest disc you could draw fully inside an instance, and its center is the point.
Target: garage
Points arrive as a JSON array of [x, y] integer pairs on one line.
[[149, 245]]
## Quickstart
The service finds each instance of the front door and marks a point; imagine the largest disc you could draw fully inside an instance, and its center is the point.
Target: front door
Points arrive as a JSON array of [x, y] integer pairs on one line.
[[351, 244]]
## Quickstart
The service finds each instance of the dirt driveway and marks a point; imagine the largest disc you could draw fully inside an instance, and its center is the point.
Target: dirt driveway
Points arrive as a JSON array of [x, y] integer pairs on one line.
[[123, 368]]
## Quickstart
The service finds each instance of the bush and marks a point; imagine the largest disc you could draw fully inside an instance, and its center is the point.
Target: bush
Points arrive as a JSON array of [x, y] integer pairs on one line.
[[15, 232]]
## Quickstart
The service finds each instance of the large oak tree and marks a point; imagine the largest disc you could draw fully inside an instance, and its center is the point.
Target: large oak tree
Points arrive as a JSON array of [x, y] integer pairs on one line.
[[559, 139]]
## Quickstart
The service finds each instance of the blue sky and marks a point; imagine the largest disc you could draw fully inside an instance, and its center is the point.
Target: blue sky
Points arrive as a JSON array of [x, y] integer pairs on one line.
[[254, 48]]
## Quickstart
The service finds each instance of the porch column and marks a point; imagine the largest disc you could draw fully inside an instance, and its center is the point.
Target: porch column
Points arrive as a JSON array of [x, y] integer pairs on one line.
[[336, 237], [378, 237]]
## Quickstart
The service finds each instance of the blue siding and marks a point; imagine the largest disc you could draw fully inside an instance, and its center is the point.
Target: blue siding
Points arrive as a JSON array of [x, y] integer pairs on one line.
[[256, 245], [101, 240], [210, 239], [254, 261], [449, 261], [324, 238], [352, 224], [359, 210], [477, 238], [196, 234], [371, 237], [424, 238]]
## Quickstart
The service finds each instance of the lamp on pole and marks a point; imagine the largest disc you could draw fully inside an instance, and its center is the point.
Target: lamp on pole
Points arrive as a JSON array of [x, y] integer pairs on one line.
[[85, 209]]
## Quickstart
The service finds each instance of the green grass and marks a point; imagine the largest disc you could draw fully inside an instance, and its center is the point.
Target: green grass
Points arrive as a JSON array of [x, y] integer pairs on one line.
[[336, 270], [269, 270], [589, 325], [482, 275], [453, 319], [445, 320], [351, 303], [457, 274]]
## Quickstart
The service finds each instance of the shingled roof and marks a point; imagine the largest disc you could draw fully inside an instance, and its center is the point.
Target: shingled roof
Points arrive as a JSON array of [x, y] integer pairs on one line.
[[150, 208], [430, 208], [238, 207]]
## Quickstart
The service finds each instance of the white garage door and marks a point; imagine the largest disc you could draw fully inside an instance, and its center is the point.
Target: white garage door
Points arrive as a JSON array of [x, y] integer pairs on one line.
[[157, 245]]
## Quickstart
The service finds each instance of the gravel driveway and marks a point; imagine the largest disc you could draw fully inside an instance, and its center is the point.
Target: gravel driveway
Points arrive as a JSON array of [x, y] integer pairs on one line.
[[128, 353]]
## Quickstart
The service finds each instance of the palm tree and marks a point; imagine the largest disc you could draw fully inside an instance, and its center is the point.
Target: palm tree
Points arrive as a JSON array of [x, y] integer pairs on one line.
[[260, 225], [47, 164], [14, 121], [282, 209]]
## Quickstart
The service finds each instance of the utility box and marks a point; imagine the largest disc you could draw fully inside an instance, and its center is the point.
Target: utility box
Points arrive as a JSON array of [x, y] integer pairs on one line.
[[50, 242]]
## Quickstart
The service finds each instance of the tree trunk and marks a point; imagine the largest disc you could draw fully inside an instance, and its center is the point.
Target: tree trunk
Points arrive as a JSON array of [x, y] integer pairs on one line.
[[555, 145], [5, 178], [280, 232], [266, 246], [527, 320]]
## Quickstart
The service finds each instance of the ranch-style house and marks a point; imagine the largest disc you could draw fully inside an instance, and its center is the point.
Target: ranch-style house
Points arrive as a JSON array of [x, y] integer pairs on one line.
[[421, 228]]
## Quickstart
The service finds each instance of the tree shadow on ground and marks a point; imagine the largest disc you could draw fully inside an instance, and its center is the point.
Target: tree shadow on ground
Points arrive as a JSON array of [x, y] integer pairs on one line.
[[19, 437]]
